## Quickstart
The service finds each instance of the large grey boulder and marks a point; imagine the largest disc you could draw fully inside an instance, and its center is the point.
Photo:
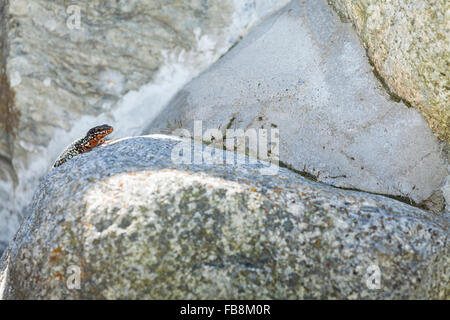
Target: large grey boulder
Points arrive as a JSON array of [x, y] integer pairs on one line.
[[306, 73], [125, 221], [408, 43], [66, 66]]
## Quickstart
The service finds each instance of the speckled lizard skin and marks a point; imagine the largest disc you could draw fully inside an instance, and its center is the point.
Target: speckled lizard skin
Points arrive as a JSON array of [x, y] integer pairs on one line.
[[94, 137]]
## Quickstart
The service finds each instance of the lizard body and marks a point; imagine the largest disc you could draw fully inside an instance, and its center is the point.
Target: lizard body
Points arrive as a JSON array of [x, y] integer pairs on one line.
[[94, 137]]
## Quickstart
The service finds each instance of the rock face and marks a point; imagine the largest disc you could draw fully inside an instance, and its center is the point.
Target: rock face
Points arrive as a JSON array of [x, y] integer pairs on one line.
[[408, 42], [124, 221], [65, 65], [305, 73]]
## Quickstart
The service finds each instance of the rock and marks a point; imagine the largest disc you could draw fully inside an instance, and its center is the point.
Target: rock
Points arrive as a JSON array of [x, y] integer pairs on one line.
[[67, 66], [446, 192], [129, 223], [408, 43], [304, 72]]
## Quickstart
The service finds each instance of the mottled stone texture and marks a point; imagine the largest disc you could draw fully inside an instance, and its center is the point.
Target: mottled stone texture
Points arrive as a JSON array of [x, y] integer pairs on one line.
[[138, 226], [305, 72], [51, 75], [60, 74], [408, 42], [8, 115], [54, 73]]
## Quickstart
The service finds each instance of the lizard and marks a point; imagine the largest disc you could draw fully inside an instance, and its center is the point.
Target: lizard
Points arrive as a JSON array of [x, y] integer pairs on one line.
[[94, 137]]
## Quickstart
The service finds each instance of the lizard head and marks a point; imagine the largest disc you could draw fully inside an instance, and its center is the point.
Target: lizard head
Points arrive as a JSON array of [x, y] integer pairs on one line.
[[98, 133]]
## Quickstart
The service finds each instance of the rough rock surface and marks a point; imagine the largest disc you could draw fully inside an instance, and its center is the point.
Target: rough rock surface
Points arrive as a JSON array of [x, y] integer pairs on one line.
[[446, 193], [57, 77], [408, 42], [304, 72], [136, 225]]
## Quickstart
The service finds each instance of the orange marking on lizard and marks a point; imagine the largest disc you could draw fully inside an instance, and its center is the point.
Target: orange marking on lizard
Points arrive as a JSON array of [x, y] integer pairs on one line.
[[94, 137]]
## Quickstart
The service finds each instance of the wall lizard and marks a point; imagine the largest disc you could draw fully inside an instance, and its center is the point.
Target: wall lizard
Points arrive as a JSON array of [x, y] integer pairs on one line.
[[94, 137]]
